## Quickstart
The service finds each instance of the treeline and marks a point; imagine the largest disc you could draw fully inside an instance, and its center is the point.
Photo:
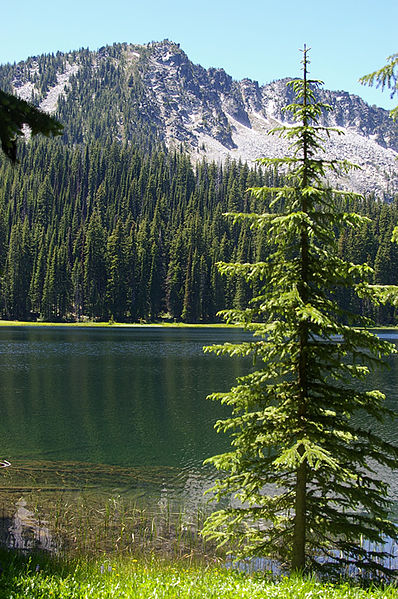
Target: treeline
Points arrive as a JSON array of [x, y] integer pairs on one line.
[[106, 231], [106, 99]]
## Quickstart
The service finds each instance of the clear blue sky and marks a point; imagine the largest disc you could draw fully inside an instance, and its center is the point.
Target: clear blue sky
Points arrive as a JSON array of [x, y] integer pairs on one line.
[[257, 39]]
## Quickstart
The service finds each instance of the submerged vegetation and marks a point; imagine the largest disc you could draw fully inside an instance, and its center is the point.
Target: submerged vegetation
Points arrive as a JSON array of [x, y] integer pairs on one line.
[[91, 525]]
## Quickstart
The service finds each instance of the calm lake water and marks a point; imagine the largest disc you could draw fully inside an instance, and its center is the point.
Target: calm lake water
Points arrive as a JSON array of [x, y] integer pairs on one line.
[[118, 409], [123, 410]]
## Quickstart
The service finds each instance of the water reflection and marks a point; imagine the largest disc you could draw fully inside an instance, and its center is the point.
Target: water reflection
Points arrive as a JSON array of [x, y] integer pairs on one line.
[[120, 413], [123, 398]]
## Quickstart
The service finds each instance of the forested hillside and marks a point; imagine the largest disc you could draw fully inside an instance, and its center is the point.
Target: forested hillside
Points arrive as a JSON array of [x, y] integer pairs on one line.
[[122, 218], [152, 93], [110, 231]]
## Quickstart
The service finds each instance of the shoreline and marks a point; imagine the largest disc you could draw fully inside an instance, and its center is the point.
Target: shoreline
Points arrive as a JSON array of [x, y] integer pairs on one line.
[[132, 325], [108, 325]]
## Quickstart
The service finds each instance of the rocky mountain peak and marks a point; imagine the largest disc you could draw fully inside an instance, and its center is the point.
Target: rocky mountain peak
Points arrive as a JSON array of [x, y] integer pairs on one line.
[[129, 91]]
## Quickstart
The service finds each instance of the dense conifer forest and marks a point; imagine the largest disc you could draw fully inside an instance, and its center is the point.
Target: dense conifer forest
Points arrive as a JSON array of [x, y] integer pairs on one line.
[[108, 224], [107, 231]]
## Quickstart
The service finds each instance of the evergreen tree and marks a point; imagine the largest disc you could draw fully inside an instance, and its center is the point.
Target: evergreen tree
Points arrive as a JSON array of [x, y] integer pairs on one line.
[[156, 277], [205, 299], [302, 468], [14, 113], [175, 277], [387, 76], [116, 291], [95, 278], [39, 271], [44, 203], [18, 272], [63, 284], [143, 271], [49, 302], [188, 310], [77, 288]]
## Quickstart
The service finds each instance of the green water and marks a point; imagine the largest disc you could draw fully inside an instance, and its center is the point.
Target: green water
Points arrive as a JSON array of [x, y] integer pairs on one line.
[[122, 409], [110, 407]]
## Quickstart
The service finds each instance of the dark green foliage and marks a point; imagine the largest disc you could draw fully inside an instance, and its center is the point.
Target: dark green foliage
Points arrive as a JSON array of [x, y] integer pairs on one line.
[[18, 271], [14, 114], [111, 233], [95, 275], [165, 213], [120, 270], [302, 470], [161, 210]]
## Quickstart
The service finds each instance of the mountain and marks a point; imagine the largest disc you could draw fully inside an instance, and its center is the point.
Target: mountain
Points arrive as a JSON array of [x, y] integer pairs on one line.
[[107, 224], [154, 93]]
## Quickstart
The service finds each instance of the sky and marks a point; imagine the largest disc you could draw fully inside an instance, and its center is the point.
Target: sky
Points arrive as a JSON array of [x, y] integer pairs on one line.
[[256, 39]]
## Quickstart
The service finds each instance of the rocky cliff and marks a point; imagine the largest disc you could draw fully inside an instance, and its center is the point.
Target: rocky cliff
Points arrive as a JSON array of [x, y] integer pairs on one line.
[[154, 92]]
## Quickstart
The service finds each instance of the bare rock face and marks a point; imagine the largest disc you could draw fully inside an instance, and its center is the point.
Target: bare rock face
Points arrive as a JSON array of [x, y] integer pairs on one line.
[[155, 89]]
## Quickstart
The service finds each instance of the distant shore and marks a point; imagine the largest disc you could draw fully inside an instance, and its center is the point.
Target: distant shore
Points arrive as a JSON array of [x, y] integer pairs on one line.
[[29, 323], [132, 325]]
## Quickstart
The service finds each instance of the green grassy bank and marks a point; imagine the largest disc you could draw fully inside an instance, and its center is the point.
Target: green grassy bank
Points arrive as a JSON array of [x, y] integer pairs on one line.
[[43, 577], [161, 323], [29, 323]]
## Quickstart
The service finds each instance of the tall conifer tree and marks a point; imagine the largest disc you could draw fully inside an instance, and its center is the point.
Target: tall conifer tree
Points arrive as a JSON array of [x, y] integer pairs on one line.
[[303, 469]]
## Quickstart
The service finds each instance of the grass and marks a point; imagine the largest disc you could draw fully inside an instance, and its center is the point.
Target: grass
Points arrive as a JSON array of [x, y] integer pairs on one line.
[[43, 577], [116, 549], [161, 323], [172, 325]]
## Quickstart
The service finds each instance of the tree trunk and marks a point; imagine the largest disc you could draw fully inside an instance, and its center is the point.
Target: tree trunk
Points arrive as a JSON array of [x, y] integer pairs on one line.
[[299, 535]]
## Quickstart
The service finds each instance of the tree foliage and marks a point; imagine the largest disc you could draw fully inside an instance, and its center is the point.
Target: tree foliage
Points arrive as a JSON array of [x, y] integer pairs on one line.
[[161, 209], [14, 114], [302, 472], [165, 210], [387, 77]]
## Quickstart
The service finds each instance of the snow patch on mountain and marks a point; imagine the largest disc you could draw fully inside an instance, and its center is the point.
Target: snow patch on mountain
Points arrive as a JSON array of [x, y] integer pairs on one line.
[[378, 166], [49, 104]]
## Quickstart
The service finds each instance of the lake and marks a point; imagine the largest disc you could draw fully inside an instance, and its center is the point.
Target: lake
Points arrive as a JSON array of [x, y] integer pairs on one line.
[[122, 411], [113, 408]]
